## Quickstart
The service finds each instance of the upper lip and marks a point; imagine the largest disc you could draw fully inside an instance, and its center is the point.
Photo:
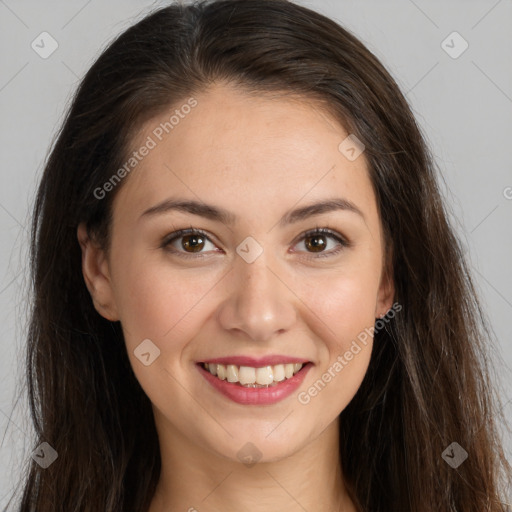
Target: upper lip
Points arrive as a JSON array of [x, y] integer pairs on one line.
[[256, 362]]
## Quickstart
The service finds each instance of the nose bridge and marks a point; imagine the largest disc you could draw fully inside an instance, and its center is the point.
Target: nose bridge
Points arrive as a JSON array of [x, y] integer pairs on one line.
[[260, 303]]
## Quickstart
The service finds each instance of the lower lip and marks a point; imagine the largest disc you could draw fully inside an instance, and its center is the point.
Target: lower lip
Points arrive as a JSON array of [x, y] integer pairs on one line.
[[256, 396]]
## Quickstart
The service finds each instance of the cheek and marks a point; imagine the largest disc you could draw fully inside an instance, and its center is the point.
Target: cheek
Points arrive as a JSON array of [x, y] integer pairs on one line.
[[344, 302], [344, 311], [159, 302]]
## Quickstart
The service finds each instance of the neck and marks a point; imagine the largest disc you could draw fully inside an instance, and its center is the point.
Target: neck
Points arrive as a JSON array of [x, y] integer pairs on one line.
[[194, 479]]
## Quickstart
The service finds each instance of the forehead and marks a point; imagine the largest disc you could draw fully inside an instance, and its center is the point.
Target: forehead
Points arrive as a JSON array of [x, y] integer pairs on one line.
[[245, 150]]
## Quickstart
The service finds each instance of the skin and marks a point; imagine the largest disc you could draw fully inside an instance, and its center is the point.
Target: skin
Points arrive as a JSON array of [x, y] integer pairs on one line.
[[257, 157]]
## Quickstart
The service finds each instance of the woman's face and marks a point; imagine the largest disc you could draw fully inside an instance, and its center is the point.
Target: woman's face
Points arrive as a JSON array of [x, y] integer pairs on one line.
[[251, 285]]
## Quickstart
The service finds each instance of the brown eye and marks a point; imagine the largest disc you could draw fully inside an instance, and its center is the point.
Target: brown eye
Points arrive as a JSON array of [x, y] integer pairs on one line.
[[193, 242], [316, 241]]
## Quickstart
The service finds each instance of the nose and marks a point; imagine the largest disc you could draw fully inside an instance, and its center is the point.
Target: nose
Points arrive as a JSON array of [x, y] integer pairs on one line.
[[260, 304]]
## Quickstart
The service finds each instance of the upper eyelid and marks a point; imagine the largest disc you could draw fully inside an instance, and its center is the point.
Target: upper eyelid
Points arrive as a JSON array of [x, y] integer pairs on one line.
[[323, 230]]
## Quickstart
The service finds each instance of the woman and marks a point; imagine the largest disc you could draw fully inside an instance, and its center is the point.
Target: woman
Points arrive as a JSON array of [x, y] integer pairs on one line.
[[247, 292]]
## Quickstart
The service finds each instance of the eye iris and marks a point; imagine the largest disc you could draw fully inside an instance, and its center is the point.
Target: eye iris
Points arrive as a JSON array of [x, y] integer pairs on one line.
[[316, 246], [188, 244]]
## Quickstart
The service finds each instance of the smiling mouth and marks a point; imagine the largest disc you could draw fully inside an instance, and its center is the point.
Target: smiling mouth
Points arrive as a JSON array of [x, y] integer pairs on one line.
[[252, 377]]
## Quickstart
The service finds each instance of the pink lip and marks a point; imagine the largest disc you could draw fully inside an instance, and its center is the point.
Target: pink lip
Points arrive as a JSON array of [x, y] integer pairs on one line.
[[255, 362], [255, 396]]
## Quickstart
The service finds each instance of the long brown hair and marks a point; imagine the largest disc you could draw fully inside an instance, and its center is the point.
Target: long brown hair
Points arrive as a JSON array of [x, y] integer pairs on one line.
[[429, 382]]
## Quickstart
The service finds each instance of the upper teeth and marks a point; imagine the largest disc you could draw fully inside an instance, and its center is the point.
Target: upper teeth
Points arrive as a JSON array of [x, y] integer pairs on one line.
[[250, 375]]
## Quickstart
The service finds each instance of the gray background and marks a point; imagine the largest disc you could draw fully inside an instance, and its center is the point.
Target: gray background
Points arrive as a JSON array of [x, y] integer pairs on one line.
[[463, 104]]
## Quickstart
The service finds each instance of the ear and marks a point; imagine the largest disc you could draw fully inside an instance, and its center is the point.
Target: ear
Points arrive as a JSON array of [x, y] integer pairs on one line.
[[386, 291], [95, 270]]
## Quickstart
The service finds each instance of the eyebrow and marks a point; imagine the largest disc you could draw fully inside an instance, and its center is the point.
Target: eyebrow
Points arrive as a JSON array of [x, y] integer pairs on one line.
[[226, 217]]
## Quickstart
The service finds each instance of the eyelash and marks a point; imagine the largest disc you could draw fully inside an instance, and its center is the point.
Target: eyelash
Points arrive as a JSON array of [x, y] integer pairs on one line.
[[317, 231]]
